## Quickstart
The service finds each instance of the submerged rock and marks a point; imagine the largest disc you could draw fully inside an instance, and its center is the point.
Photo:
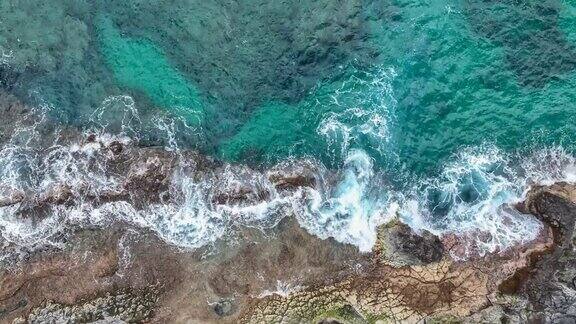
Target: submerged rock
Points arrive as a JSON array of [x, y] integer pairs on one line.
[[149, 175], [9, 196], [238, 186], [56, 195], [224, 308]]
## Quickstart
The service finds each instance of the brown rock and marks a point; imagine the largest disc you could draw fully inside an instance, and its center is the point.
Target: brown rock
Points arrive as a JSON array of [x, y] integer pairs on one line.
[[238, 185], [56, 195], [11, 197], [466, 245], [293, 175], [391, 294], [239, 195], [556, 206], [90, 270], [116, 147], [149, 176], [399, 245]]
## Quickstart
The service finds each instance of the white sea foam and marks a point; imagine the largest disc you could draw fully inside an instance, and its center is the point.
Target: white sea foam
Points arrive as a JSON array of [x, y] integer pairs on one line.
[[472, 193], [191, 219], [282, 289], [346, 212], [367, 121], [547, 166], [6, 56]]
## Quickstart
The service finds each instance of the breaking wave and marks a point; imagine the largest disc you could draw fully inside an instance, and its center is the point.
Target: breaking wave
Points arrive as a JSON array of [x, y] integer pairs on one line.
[[473, 194]]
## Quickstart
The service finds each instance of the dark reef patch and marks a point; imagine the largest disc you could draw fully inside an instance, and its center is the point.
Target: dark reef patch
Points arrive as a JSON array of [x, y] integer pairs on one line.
[[238, 54], [245, 52], [537, 51]]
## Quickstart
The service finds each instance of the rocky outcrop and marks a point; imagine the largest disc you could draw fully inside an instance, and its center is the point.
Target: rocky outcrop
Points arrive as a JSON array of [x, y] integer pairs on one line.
[[398, 245], [414, 278], [146, 176], [556, 206], [388, 294], [99, 275], [550, 285], [125, 306], [126, 273], [208, 285], [293, 175], [433, 290], [10, 197]]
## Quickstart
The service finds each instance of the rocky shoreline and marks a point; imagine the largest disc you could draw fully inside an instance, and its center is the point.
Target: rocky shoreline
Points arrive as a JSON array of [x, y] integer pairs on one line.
[[286, 275], [121, 272]]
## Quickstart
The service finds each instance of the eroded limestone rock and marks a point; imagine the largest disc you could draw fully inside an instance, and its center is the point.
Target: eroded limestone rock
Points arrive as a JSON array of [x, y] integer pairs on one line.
[[123, 306], [414, 278], [389, 294], [550, 286]]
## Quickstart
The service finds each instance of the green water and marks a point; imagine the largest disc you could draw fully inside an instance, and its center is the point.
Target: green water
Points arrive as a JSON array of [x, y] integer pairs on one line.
[[410, 82], [141, 66], [503, 76], [277, 130]]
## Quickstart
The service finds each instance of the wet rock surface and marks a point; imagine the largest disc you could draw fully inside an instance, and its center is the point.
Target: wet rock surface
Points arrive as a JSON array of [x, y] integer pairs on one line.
[[555, 206], [290, 176], [550, 286], [94, 278], [144, 176], [399, 245], [126, 273]]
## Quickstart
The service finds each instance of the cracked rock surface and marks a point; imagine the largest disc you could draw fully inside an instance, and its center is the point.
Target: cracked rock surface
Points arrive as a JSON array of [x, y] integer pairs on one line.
[[121, 272]]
